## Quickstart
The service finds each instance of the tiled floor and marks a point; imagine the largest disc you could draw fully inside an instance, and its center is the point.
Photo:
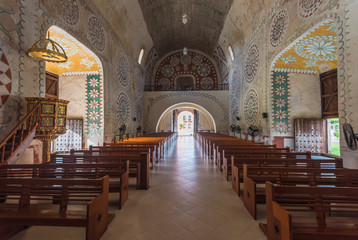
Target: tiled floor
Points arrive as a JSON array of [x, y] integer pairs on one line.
[[187, 199]]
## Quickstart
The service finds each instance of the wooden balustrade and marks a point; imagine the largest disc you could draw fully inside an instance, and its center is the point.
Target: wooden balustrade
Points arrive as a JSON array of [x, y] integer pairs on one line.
[[19, 134]]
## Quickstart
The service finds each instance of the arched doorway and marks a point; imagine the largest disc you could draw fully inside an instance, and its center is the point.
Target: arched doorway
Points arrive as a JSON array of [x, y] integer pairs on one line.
[[186, 123], [302, 108], [200, 119], [80, 81]]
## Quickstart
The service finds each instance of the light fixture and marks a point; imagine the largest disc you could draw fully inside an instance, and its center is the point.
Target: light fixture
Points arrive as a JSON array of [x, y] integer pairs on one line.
[[48, 50], [184, 19], [185, 51]]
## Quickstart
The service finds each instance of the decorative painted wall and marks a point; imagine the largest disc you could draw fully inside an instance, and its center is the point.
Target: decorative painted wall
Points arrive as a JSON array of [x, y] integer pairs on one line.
[[80, 59], [24, 22], [296, 40], [193, 64]]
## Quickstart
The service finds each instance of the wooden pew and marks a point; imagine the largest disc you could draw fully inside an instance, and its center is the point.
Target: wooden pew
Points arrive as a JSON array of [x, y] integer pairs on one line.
[[138, 164], [238, 159], [237, 166], [255, 177], [128, 149], [117, 172], [311, 213], [224, 161], [55, 202]]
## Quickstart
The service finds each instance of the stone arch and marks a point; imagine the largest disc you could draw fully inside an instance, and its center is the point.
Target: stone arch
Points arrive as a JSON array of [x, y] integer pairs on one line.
[[215, 105], [85, 63], [197, 107], [299, 57]]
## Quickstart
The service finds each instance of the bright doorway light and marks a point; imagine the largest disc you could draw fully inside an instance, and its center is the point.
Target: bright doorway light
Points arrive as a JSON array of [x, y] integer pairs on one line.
[[333, 136]]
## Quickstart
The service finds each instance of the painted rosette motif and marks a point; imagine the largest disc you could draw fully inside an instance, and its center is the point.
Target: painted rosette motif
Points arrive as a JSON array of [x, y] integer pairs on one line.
[[5, 79], [318, 48], [251, 106], [93, 104], [70, 11], [279, 27], [96, 33], [280, 101], [192, 64], [123, 108], [122, 69], [307, 8], [251, 63], [207, 83]]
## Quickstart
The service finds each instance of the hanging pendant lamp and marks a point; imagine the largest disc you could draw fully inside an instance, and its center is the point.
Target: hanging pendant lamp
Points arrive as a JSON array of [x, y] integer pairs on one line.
[[48, 50]]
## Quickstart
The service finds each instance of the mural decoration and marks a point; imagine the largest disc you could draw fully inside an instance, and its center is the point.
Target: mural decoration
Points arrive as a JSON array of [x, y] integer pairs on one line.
[[307, 8], [150, 62], [279, 27], [96, 33], [235, 78], [138, 79], [93, 104], [251, 63], [70, 11], [193, 64], [123, 108], [80, 59], [234, 110], [222, 62], [314, 52], [7, 24], [251, 106], [122, 69], [207, 83], [5, 79], [139, 113], [280, 102]]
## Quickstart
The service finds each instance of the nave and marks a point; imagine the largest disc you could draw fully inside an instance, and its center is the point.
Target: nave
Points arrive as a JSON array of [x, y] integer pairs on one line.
[[187, 199]]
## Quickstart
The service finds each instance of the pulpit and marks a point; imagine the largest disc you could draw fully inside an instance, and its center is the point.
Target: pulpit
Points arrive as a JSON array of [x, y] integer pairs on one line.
[[52, 121]]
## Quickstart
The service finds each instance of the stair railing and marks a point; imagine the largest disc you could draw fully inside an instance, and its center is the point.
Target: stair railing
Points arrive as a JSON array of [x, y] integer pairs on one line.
[[19, 134]]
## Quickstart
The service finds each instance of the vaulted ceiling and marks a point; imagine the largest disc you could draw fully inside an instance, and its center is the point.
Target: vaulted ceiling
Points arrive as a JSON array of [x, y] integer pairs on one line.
[[202, 31], [144, 23]]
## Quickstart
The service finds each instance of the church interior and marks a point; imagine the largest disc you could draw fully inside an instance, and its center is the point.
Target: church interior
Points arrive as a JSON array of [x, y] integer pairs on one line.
[[178, 119]]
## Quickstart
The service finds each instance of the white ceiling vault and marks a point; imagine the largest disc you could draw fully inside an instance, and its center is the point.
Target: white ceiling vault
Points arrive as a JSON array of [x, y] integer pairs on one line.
[[202, 31], [147, 23]]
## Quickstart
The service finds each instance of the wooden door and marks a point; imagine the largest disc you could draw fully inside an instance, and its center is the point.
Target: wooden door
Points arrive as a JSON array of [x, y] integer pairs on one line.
[[329, 94], [311, 135], [51, 85]]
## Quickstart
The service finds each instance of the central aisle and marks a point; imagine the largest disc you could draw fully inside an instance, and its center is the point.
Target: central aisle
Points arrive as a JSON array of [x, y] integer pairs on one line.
[[187, 199]]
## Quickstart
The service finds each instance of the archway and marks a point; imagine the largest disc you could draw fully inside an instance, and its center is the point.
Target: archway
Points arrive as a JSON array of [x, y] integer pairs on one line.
[[79, 80], [296, 84], [202, 120], [186, 123]]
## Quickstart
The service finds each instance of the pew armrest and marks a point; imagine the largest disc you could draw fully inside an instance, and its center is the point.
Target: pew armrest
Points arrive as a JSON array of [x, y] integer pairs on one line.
[[283, 221]]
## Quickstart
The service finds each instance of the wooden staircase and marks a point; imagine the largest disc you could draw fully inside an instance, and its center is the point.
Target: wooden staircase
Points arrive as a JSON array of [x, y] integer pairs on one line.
[[12, 143]]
